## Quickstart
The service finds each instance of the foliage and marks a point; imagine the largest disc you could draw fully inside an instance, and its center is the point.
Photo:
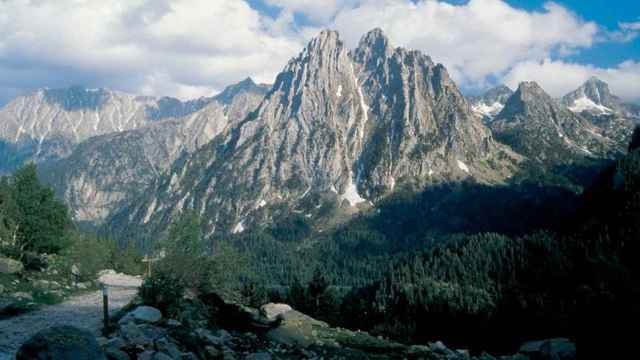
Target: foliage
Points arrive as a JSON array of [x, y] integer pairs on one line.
[[41, 220], [164, 291]]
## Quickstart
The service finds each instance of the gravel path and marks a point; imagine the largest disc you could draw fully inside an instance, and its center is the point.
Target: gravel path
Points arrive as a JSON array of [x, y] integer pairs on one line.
[[83, 311]]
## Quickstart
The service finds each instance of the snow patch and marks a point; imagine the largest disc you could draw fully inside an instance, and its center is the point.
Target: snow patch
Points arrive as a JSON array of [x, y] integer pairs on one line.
[[150, 211], [487, 110], [262, 203], [339, 92], [392, 182], [351, 194], [462, 166], [238, 228], [586, 104], [431, 172]]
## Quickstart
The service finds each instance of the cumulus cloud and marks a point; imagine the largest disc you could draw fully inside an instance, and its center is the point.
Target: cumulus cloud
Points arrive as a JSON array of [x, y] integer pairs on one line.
[[559, 77], [176, 47], [474, 40], [191, 48]]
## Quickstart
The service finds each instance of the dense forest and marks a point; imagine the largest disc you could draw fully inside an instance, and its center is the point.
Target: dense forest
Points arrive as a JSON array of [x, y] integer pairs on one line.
[[475, 266], [472, 265]]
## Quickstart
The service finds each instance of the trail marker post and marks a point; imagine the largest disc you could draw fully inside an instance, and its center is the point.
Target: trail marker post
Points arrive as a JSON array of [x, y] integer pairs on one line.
[[149, 260], [105, 308]]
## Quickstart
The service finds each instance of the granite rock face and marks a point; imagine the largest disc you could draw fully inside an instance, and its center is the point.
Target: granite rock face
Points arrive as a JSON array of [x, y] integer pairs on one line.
[[105, 171], [348, 125], [541, 129], [490, 103]]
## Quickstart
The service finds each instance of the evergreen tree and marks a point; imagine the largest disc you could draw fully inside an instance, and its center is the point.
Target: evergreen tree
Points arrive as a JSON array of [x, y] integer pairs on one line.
[[41, 220]]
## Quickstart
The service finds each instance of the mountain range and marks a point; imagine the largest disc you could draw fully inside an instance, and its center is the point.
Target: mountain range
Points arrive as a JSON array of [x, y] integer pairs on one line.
[[339, 129]]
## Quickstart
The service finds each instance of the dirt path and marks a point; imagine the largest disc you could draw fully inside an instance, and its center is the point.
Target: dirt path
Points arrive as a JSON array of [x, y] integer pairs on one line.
[[83, 311]]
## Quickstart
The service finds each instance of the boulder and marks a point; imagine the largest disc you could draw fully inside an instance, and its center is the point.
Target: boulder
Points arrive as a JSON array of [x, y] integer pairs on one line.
[[166, 346], [271, 311], [61, 343], [23, 296], [551, 349], [10, 266], [143, 314], [116, 354], [259, 356]]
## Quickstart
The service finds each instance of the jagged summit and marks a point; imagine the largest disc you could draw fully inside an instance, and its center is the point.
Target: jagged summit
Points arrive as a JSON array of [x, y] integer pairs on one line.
[[594, 96], [247, 85], [337, 126], [537, 126], [491, 102]]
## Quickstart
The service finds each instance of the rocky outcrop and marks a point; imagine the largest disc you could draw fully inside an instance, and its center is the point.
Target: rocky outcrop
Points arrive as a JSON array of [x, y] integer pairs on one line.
[[10, 266], [536, 126], [346, 126], [594, 96], [292, 335], [490, 103], [61, 343], [101, 174], [48, 123]]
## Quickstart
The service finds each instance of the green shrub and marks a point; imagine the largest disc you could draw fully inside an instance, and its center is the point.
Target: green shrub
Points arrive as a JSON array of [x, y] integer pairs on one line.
[[163, 291]]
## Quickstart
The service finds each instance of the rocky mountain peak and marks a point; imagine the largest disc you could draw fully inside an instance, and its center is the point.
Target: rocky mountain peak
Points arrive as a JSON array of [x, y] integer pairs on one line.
[[593, 97], [374, 44], [76, 98], [597, 90], [247, 85], [491, 102], [529, 98]]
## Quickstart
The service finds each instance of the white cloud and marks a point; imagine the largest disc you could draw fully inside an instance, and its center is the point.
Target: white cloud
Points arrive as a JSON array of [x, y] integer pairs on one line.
[[559, 78], [174, 47], [316, 10], [191, 48], [474, 40]]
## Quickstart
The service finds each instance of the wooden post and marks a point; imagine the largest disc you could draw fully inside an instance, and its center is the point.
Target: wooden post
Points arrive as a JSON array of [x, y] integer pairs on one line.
[[105, 309]]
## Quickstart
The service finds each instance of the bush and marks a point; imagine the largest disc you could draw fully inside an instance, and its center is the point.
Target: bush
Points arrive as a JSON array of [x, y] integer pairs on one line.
[[89, 254], [163, 291]]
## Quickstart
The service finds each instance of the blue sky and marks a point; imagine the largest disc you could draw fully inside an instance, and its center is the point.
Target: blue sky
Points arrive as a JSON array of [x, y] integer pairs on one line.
[[192, 48]]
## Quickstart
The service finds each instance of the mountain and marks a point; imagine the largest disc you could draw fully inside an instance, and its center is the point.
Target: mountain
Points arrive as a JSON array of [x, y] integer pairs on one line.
[[594, 98], [538, 127], [337, 127], [47, 124], [491, 103], [105, 171]]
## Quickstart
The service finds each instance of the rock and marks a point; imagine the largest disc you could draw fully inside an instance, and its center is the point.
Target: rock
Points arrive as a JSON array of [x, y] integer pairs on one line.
[[116, 354], [10, 266], [207, 337], [224, 335], [439, 348], [1, 289], [173, 323], [418, 351], [116, 343], [61, 342], [23, 296], [162, 356], [271, 311], [164, 345], [82, 285], [212, 352], [142, 314], [146, 355], [75, 270], [106, 272], [551, 349], [259, 356], [133, 335]]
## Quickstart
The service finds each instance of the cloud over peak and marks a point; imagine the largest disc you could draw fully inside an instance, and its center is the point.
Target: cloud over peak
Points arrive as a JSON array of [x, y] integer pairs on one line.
[[191, 48]]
